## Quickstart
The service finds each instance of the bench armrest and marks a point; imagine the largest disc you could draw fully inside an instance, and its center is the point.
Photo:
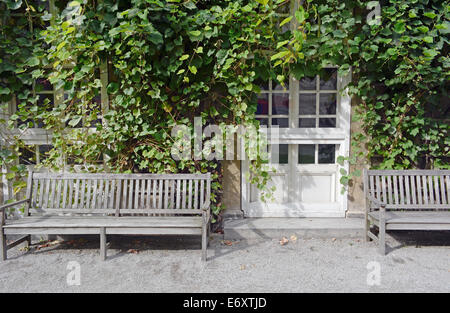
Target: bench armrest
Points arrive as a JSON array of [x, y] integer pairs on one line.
[[377, 202], [9, 205]]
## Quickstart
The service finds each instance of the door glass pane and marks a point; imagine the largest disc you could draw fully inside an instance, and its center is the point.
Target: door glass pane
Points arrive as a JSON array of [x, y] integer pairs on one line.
[[329, 80], [306, 154], [27, 155], [281, 122], [327, 104], [281, 156], [262, 121], [308, 83], [263, 104], [280, 104], [306, 122], [327, 154], [327, 122], [307, 104], [43, 151]]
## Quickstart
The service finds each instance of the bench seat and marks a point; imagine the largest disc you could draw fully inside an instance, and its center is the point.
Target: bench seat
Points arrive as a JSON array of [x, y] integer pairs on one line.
[[113, 225], [398, 220]]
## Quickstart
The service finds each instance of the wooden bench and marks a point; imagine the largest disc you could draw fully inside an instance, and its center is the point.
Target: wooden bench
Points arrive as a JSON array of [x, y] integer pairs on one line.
[[106, 204], [406, 200]]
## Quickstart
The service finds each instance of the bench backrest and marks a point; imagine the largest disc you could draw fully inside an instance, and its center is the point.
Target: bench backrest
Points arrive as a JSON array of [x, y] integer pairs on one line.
[[118, 194], [409, 189]]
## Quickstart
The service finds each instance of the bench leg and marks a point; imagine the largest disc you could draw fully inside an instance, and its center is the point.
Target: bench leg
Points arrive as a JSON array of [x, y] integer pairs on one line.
[[204, 237], [382, 237], [3, 244], [366, 230], [103, 243]]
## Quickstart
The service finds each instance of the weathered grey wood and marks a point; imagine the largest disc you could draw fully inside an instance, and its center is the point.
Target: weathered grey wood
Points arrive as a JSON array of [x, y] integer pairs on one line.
[[41, 192], [12, 204], [64, 195], [47, 192], [52, 195], [77, 190], [28, 192], [103, 243], [447, 180], [413, 189], [87, 202], [124, 194], [396, 193], [190, 195], [105, 221], [166, 194], [195, 194], [82, 197], [58, 193], [202, 199], [26, 238], [204, 236], [433, 217], [442, 183], [401, 184], [149, 193], [160, 194], [419, 190], [178, 203], [382, 234], [183, 205], [34, 196], [431, 189], [136, 195], [3, 244], [117, 202], [94, 193], [208, 193], [407, 189], [408, 172], [142, 204], [422, 191], [425, 189], [155, 183]]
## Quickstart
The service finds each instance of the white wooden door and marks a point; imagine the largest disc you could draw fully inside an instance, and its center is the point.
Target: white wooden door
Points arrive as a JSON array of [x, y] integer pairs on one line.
[[314, 129]]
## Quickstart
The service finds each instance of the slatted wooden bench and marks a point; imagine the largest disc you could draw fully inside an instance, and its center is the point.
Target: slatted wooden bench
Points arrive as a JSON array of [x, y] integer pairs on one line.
[[406, 200], [106, 204]]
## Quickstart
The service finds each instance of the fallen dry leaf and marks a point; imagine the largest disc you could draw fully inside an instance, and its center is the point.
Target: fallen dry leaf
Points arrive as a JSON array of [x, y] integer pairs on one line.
[[242, 267], [227, 242], [134, 251], [293, 238], [284, 241], [333, 239]]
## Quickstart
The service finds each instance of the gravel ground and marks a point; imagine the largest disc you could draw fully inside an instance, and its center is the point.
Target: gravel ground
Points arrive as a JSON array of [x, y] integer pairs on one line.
[[173, 265]]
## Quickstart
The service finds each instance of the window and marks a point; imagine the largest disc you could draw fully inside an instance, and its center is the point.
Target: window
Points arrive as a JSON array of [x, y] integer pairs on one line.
[[33, 154], [273, 105], [318, 103], [36, 138], [317, 153]]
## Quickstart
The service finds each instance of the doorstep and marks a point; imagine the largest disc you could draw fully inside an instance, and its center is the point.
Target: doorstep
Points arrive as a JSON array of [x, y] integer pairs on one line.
[[277, 227]]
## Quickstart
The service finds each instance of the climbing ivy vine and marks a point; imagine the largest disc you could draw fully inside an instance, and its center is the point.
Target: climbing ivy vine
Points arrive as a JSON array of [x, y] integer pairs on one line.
[[169, 61]]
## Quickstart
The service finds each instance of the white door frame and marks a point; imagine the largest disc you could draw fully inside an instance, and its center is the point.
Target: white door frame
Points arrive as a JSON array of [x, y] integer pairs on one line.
[[293, 135]]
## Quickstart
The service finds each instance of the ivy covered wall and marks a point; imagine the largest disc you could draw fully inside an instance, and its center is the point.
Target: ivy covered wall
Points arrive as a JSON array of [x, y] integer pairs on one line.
[[168, 61]]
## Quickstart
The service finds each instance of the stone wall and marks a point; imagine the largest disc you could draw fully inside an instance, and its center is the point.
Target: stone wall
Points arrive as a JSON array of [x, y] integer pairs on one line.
[[356, 204], [232, 188]]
